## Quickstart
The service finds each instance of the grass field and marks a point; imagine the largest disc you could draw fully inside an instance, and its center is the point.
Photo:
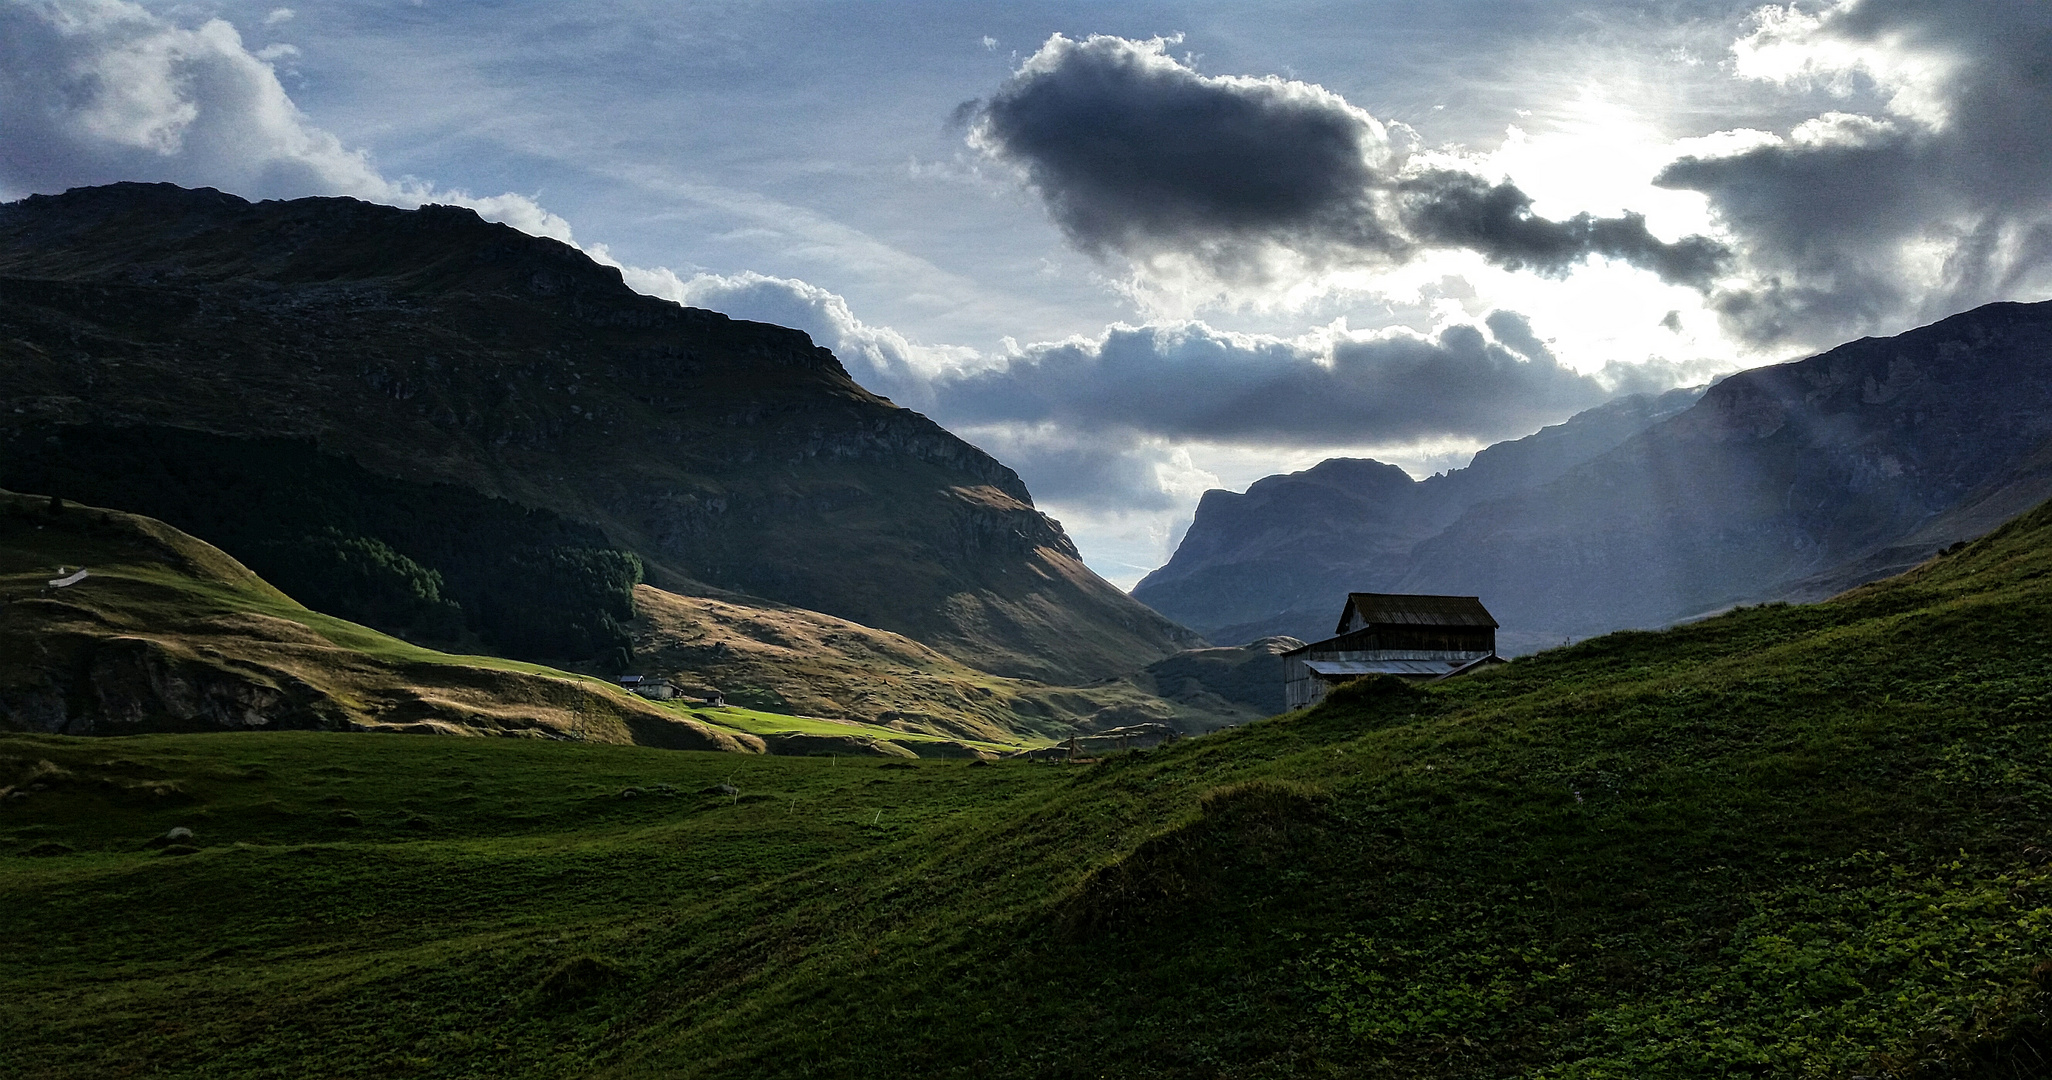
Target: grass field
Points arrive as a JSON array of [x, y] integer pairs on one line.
[[757, 722], [1788, 841]]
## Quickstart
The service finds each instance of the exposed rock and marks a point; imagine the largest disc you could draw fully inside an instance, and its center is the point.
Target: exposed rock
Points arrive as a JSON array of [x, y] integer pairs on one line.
[[164, 641]]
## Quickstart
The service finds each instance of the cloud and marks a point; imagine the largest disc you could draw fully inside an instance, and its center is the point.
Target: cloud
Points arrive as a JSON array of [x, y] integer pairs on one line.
[[1193, 382], [98, 91], [1853, 221], [1136, 154], [883, 360], [1097, 423], [1453, 209], [1116, 471]]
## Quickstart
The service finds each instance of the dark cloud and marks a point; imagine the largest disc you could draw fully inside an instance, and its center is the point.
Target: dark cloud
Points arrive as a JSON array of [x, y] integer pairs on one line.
[[1514, 331], [1944, 201], [1191, 382], [1137, 154], [1454, 209]]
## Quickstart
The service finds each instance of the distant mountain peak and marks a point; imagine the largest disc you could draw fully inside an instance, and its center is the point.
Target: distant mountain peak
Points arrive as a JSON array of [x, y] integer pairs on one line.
[[1792, 480]]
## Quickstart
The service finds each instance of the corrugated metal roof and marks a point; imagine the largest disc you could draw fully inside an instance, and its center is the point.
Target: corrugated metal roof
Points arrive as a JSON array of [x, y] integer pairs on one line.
[[1350, 668], [1414, 610]]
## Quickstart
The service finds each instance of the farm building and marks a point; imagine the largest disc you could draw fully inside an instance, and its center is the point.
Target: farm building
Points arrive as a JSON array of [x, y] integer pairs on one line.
[[1426, 638], [658, 688]]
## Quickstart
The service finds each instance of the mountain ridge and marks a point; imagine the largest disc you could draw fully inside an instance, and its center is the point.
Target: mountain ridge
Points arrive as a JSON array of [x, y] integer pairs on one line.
[[1320, 532], [1792, 481], [431, 346]]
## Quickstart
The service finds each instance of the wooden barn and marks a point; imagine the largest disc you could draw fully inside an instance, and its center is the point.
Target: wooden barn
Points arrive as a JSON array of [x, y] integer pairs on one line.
[[1426, 638]]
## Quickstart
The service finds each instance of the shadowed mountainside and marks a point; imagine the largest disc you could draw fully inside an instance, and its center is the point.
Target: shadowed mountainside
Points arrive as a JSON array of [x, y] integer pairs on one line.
[[1280, 558], [1795, 481], [432, 347]]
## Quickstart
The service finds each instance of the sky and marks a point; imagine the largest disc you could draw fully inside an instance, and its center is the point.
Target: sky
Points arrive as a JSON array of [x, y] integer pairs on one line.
[[1139, 250]]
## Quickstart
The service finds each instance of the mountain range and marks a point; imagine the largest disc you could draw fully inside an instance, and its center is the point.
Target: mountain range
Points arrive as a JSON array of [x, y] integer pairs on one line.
[[1788, 482], [483, 442]]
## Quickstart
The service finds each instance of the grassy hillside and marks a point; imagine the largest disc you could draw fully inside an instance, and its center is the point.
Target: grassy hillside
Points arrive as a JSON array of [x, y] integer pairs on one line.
[[1788, 841], [425, 561], [169, 633], [790, 660]]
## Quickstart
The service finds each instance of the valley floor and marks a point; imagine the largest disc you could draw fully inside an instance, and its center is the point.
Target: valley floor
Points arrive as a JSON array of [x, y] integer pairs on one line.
[[1790, 841]]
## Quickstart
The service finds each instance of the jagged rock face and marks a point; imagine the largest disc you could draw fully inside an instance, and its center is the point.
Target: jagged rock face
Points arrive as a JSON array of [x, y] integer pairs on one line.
[[430, 345], [1791, 481], [125, 685], [1281, 558]]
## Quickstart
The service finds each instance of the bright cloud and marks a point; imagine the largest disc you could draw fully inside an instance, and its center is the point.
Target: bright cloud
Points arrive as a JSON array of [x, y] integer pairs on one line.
[[99, 91]]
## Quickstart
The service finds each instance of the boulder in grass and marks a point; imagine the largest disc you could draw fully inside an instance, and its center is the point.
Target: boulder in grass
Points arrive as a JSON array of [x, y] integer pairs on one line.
[[179, 836]]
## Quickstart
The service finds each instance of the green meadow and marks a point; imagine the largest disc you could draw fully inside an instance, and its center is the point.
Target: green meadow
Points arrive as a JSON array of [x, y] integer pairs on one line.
[[1788, 841], [758, 722]]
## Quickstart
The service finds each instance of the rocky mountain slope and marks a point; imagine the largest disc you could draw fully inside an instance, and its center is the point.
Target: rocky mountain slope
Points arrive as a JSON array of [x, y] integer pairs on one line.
[[1793, 481], [431, 347], [1279, 558]]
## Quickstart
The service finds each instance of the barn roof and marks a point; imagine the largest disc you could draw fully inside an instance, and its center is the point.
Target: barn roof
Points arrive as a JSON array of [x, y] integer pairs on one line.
[[1414, 610]]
